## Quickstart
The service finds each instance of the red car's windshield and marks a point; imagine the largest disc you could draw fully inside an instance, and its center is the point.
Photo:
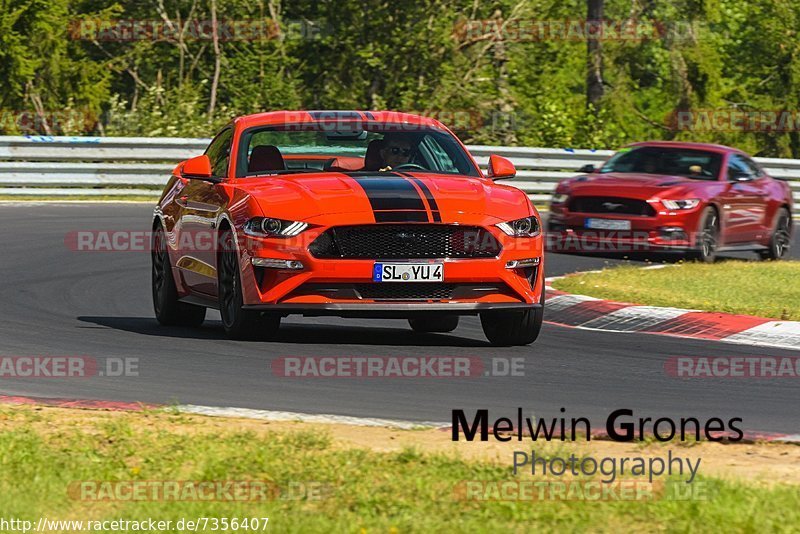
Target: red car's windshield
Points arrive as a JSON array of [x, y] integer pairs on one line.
[[669, 161], [321, 147]]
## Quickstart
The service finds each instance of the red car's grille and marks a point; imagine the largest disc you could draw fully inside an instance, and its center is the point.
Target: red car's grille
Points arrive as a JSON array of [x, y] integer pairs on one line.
[[405, 241], [611, 205]]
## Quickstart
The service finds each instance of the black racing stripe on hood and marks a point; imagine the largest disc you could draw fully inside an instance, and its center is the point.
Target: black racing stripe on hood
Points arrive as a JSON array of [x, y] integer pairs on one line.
[[429, 197], [390, 192], [401, 216]]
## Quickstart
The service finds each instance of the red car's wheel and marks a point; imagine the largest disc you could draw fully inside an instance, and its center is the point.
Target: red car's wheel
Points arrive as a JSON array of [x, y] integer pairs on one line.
[[238, 322], [168, 309], [434, 324], [781, 238], [707, 237]]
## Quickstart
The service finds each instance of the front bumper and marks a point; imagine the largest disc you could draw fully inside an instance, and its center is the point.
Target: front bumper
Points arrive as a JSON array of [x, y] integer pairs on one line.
[[390, 310], [666, 231], [286, 290]]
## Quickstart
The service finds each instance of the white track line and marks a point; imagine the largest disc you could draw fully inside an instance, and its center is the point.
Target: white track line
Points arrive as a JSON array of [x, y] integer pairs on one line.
[[268, 415]]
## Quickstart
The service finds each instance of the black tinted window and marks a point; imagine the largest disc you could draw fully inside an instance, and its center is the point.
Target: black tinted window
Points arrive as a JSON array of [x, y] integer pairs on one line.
[[738, 167], [697, 164], [300, 145]]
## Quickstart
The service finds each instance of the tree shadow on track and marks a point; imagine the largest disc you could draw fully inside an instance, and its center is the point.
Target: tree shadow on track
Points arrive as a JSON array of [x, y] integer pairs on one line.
[[306, 334]]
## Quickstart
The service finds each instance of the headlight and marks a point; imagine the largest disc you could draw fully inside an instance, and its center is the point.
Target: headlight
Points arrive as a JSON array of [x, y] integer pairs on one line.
[[560, 198], [681, 204], [527, 227], [268, 227]]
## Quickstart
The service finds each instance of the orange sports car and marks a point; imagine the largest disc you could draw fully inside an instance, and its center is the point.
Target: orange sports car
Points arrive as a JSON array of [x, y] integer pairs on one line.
[[346, 213]]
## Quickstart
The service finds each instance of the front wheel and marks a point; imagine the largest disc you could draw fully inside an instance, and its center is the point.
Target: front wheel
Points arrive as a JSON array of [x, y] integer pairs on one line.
[[781, 238], [509, 328], [707, 237], [239, 323]]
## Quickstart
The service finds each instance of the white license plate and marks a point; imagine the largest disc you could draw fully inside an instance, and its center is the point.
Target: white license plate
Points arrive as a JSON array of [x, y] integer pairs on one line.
[[408, 272], [608, 224]]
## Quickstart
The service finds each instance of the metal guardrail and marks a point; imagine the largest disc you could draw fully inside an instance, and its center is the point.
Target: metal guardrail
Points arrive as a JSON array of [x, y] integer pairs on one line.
[[124, 166]]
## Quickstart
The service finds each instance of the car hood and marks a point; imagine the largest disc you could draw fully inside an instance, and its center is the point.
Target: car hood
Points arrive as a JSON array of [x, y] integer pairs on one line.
[[373, 197], [642, 185]]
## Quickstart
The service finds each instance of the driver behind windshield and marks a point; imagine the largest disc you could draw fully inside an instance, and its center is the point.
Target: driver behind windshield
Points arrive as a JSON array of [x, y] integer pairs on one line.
[[397, 150]]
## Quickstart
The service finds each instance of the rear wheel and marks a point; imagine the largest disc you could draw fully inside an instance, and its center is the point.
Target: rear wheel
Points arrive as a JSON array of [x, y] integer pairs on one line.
[[435, 323], [168, 309], [781, 238], [707, 237], [238, 322], [508, 328]]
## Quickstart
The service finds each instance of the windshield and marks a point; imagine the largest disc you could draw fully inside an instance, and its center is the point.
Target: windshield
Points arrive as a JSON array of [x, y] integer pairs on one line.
[[376, 148], [697, 164]]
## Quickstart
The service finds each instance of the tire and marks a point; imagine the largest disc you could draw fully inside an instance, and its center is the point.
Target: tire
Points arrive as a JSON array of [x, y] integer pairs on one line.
[[239, 323], [781, 239], [707, 237], [434, 324], [168, 309], [511, 328]]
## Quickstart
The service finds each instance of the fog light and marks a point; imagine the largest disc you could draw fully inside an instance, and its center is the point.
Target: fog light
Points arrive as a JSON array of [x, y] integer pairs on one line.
[[521, 264], [673, 233], [271, 263]]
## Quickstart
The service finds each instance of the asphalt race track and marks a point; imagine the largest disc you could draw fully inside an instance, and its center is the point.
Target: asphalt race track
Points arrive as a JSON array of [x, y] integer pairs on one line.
[[60, 302]]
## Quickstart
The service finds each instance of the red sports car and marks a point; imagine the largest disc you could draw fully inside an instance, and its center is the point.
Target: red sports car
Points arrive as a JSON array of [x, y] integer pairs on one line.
[[356, 214], [697, 198]]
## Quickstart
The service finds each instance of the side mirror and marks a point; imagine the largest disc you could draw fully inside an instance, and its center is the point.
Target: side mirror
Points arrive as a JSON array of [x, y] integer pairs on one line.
[[501, 168], [198, 168], [587, 169]]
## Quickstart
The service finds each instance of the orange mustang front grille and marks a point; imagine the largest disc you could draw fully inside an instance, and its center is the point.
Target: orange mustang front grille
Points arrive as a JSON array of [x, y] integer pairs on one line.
[[405, 241]]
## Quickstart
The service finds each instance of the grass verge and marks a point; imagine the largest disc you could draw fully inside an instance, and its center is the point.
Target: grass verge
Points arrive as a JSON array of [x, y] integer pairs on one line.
[[43, 452], [764, 289]]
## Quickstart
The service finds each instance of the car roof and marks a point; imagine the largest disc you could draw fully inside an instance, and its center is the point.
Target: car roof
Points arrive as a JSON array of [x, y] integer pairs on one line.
[[681, 144], [321, 116]]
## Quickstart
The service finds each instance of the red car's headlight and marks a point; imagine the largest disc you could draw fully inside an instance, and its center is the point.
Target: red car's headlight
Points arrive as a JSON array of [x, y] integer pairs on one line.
[[681, 204]]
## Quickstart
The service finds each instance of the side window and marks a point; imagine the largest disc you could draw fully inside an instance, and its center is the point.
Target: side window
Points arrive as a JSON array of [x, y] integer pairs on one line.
[[755, 170], [438, 157], [219, 152], [737, 167]]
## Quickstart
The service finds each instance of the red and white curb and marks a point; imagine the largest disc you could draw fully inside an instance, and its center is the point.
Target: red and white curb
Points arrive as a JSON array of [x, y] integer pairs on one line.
[[591, 313], [269, 415]]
